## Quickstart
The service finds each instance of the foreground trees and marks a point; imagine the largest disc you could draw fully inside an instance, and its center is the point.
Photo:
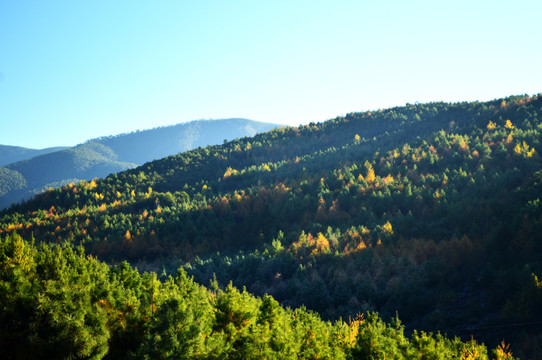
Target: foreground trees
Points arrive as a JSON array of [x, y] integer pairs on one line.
[[58, 303]]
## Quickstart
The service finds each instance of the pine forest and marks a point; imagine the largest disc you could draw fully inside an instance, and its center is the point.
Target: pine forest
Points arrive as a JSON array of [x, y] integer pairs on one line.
[[412, 232]]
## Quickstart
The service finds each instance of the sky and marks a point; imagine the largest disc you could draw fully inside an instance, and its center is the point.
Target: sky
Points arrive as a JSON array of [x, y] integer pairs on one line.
[[75, 70]]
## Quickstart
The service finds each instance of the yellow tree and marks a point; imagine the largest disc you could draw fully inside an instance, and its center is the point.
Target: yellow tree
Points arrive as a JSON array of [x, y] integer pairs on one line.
[[387, 229], [491, 125], [370, 177], [322, 244]]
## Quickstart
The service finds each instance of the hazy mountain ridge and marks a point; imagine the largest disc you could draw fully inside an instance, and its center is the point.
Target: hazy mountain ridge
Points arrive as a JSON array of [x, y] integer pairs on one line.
[[169, 140], [100, 157], [11, 154]]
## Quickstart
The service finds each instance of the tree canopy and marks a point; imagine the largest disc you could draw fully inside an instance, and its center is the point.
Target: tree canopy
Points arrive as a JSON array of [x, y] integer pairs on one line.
[[431, 211]]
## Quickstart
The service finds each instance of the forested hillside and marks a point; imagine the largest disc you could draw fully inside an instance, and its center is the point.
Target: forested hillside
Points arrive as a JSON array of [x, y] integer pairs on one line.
[[28, 177], [98, 158], [429, 211]]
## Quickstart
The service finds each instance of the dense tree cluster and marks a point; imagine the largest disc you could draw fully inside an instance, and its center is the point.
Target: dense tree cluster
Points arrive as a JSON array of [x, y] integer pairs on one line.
[[432, 210], [58, 303]]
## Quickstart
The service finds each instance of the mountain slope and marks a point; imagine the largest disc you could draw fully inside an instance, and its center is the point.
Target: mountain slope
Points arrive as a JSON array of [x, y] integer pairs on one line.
[[11, 154], [99, 157], [147, 145], [432, 210], [86, 161], [10, 181]]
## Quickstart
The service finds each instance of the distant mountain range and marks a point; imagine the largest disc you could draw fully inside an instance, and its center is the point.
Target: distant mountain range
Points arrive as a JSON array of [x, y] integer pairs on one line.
[[11, 154], [25, 172]]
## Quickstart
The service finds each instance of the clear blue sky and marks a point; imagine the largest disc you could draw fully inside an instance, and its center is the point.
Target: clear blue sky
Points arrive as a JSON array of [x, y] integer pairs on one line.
[[74, 70]]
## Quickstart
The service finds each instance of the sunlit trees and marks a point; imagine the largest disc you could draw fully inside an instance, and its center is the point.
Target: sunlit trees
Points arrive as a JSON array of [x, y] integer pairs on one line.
[[395, 219], [370, 174]]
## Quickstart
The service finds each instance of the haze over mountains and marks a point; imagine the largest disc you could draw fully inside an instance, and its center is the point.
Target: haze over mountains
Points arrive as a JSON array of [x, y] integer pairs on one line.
[[25, 172], [11, 154]]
